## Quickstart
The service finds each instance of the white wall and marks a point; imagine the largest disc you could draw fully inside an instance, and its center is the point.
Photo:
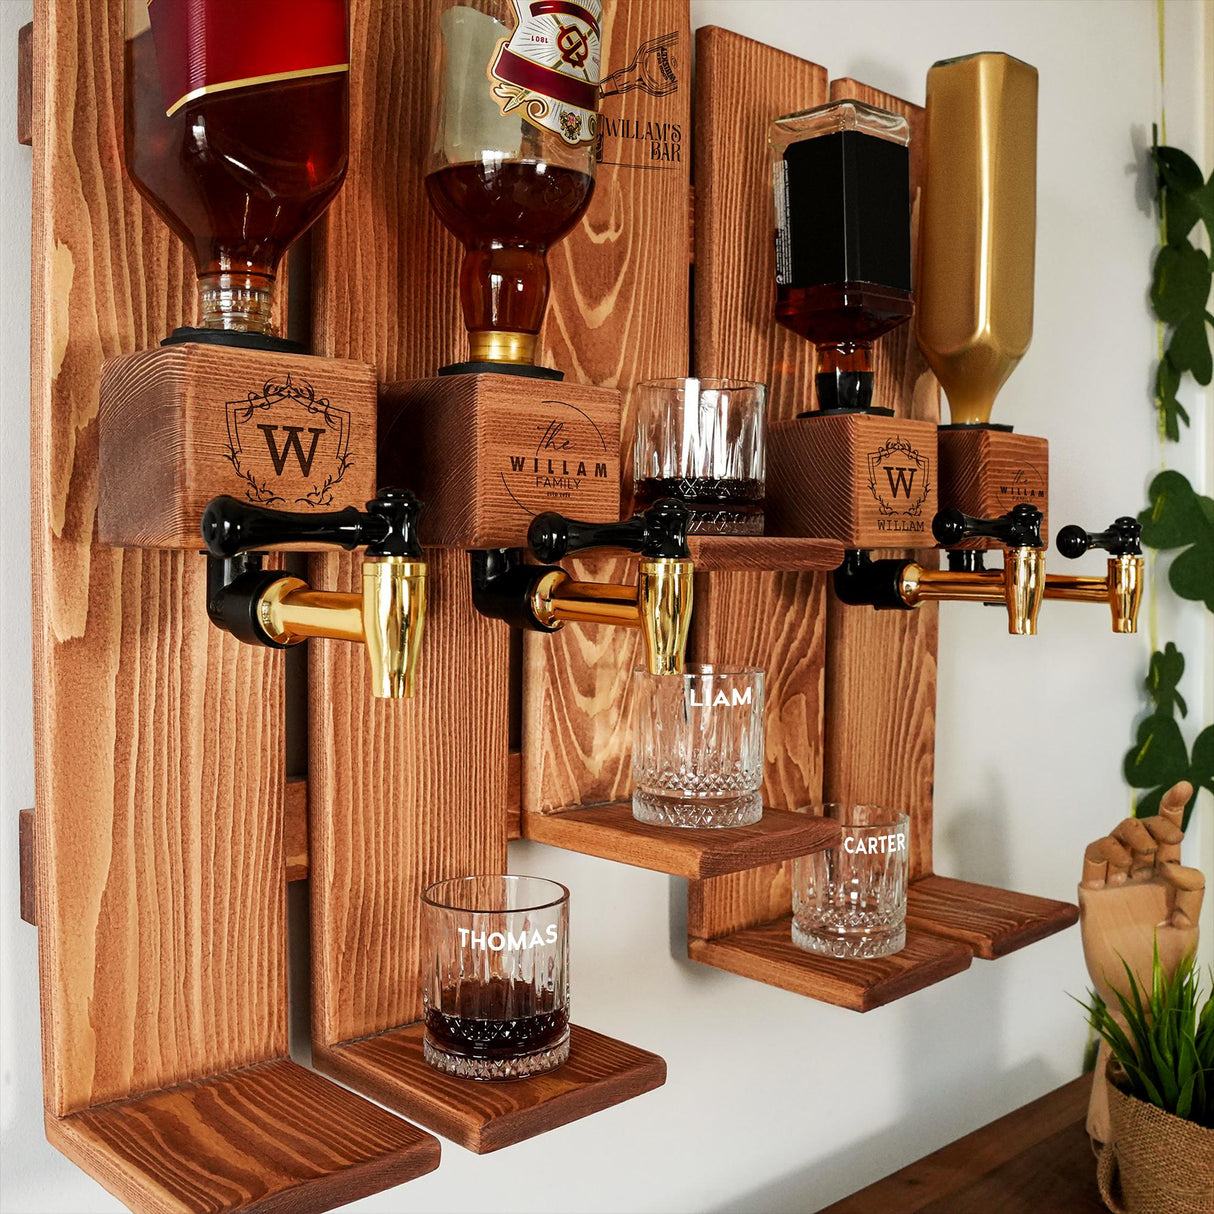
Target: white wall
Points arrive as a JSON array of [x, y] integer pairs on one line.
[[777, 1103]]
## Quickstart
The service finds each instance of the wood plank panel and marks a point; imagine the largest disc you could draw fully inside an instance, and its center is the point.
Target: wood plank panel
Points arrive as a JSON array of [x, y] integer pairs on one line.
[[402, 793], [741, 85], [245, 1141], [25, 84], [485, 1117], [612, 833], [27, 867], [763, 554], [992, 922], [881, 666], [159, 824], [618, 315], [767, 954]]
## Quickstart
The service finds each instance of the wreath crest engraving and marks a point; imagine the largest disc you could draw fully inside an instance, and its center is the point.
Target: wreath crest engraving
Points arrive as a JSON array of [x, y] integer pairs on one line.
[[287, 444], [898, 477]]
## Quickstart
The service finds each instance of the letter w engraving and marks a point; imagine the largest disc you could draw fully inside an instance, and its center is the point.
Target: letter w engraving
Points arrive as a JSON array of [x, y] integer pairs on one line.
[[899, 479], [279, 457]]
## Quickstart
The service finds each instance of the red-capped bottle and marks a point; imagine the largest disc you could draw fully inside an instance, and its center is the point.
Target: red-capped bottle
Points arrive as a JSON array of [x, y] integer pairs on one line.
[[236, 131]]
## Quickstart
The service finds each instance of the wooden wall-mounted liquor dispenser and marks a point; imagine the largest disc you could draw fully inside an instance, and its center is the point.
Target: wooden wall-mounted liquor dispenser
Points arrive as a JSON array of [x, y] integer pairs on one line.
[[184, 423]]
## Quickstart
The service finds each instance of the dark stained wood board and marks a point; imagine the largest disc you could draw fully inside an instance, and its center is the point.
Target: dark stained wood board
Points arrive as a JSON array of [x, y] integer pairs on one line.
[[159, 824], [612, 833], [1036, 1160], [485, 1117], [248, 1140], [618, 315], [763, 554], [767, 954]]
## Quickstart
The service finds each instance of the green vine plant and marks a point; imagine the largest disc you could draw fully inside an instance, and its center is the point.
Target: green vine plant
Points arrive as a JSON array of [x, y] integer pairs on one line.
[[1178, 519]]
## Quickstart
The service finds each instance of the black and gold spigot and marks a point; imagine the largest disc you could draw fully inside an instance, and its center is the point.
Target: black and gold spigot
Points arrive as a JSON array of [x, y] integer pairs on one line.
[[268, 607], [1019, 585], [545, 597], [1121, 587]]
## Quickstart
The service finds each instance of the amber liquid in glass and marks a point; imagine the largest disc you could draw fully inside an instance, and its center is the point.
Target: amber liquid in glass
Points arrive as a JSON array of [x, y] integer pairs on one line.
[[496, 1019], [507, 213], [238, 175], [727, 505]]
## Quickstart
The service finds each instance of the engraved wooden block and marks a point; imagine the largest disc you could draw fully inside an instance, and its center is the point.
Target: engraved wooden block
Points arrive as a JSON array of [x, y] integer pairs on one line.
[[488, 452], [984, 473], [181, 424], [866, 481]]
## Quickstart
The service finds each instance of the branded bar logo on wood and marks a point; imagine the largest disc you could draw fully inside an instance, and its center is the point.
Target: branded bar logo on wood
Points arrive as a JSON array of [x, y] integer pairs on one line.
[[569, 454], [899, 479]]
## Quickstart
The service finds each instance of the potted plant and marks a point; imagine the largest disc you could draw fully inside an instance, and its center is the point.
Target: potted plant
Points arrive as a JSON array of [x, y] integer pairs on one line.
[[1160, 1159]]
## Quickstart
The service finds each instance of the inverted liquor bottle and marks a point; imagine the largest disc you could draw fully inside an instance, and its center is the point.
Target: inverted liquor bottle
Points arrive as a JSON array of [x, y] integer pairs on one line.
[[236, 131], [841, 182], [512, 165]]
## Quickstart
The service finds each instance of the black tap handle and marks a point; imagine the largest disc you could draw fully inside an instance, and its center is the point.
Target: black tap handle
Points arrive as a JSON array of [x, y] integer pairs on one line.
[[1121, 539], [660, 531], [388, 528], [1020, 527]]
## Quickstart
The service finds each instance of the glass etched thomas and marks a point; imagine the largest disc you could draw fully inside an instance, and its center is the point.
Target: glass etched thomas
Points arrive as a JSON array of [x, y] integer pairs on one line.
[[496, 976], [697, 754], [850, 900], [702, 441]]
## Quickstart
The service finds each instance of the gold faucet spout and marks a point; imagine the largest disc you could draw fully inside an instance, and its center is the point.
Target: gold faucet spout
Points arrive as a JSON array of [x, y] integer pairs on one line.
[[659, 605], [1120, 588], [1019, 586], [394, 613]]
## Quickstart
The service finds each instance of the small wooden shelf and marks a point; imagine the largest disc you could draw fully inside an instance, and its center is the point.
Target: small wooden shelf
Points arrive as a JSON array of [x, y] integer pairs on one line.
[[248, 1139], [485, 1117], [763, 554], [612, 833], [767, 954], [991, 922]]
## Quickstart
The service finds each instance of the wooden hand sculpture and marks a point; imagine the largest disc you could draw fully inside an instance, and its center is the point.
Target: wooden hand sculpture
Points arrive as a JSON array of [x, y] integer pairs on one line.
[[1134, 893]]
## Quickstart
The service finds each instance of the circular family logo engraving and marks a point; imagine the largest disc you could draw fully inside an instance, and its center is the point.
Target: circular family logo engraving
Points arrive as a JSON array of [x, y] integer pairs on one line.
[[565, 454]]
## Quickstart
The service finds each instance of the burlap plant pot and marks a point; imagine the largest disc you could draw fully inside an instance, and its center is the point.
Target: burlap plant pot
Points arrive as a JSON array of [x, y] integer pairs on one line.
[[1156, 1163]]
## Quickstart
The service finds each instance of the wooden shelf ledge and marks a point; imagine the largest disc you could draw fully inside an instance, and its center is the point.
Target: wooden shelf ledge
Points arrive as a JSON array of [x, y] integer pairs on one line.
[[990, 922], [612, 833], [767, 954], [484, 1117], [763, 554], [270, 1137]]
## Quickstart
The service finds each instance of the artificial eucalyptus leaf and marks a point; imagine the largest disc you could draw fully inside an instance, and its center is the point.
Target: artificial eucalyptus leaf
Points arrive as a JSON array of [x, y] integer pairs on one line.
[[1189, 349], [1180, 213], [1192, 574], [1159, 755], [1177, 169], [1181, 284], [1174, 518], [1167, 379], [1164, 672]]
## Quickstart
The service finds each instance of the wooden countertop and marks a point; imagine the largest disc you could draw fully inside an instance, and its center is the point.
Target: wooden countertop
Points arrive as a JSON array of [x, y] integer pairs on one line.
[[1036, 1160]]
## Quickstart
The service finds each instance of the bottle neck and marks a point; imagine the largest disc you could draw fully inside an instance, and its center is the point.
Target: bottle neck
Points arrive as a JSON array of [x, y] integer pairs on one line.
[[243, 303]]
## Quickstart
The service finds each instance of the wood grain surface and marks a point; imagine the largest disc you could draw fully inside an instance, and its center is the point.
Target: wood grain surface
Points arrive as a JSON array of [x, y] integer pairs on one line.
[[992, 922], [25, 84], [158, 739], [611, 832], [881, 665], [487, 453], [1036, 1160], [617, 316], [760, 554], [485, 1117], [741, 86], [27, 867], [273, 1138], [767, 954], [178, 427], [984, 473], [401, 793]]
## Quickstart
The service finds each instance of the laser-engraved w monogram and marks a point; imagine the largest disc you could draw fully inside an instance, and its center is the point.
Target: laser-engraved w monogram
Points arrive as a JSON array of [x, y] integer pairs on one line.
[[898, 479], [279, 457]]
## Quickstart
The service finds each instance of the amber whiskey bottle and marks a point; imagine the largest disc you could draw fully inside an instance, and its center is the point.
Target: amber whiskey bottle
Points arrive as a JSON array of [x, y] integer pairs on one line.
[[841, 180]]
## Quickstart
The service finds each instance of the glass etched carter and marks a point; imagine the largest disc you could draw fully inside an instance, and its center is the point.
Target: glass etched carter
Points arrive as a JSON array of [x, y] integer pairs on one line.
[[697, 754], [702, 441], [495, 976], [850, 900]]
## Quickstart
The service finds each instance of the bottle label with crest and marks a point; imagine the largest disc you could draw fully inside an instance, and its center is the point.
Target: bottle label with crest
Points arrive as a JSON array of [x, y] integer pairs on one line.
[[211, 46], [550, 66]]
